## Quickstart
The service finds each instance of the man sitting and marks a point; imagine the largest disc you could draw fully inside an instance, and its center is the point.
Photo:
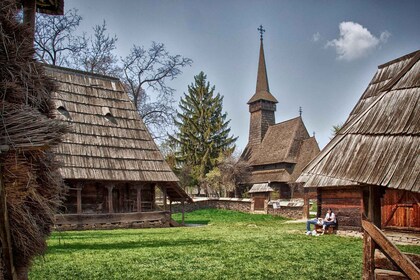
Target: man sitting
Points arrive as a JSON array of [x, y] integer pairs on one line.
[[330, 219]]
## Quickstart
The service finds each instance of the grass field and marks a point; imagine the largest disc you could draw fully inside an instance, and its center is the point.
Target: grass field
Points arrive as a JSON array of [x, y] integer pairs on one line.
[[231, 245]]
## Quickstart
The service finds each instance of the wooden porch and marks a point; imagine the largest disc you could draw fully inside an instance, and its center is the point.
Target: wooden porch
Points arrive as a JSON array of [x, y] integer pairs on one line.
[[113, 220]]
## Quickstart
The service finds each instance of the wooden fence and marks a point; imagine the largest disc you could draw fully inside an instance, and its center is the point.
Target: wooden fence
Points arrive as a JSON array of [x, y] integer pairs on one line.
[[389, 263]]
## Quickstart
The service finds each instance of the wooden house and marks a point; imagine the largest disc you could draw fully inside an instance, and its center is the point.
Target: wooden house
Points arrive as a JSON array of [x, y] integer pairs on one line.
[[277, 153], [109, 162], [376, 153]]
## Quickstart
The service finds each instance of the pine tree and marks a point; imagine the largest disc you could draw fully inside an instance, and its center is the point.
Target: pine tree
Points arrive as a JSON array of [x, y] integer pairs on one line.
[[203, 132]]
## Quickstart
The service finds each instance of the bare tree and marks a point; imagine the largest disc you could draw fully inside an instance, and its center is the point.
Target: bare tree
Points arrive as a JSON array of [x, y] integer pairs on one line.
[[55, 41], [97, 57], [147, 71]]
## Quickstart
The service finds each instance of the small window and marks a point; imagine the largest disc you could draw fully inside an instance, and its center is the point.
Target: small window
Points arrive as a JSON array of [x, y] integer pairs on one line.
[[64, 112], [111, 118]]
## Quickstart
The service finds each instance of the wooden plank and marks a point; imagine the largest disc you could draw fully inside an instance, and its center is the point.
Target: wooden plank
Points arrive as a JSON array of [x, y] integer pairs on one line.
[[382, 262], [88, 219], [392, 252], [382, 274]]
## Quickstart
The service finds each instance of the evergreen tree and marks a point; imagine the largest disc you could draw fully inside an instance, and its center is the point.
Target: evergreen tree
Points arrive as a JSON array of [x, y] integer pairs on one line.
[[203, 132]]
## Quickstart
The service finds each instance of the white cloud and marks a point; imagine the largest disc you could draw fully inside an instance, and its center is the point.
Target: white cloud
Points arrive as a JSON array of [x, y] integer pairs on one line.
[[316, 37], [355, 41]]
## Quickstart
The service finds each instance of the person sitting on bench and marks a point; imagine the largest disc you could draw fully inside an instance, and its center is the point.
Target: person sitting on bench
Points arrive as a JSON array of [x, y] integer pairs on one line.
[[330, 220]]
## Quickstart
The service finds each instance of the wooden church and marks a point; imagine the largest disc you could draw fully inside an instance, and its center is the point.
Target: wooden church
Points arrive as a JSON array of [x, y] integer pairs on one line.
[[277, 153], [110, 163]]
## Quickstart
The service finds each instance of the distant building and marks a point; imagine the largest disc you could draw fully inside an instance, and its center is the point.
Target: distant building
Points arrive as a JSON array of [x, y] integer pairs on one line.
[[109, 161], [277, 153]]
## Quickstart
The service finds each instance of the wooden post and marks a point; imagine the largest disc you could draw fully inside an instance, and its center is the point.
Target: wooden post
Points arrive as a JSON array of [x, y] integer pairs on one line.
[[305, 206], [138, 200], [79, 198], [110, 187], [29, 10], [368, 257], [165, 194], [183, 212]]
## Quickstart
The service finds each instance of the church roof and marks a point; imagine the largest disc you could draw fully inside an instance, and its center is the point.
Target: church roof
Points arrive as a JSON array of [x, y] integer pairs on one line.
[[380, 142], [109, 141], [285, 142], [262, 91], [279, 143]]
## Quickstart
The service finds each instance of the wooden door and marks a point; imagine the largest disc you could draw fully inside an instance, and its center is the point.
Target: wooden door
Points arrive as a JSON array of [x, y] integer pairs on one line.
[[401, 210], [259, 203]]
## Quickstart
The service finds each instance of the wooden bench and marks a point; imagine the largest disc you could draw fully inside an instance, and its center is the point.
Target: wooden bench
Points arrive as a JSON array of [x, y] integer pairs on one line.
[[329, 230]]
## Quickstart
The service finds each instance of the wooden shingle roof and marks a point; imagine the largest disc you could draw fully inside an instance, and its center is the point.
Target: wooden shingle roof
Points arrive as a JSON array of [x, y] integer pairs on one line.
[[285, 142], [380, 142], [109, 141]]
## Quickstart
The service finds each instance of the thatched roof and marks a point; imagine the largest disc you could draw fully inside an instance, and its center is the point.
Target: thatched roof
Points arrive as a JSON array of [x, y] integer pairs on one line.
[[285, 142], [380, 142], [258, 188], [262, 91], [109, 141]]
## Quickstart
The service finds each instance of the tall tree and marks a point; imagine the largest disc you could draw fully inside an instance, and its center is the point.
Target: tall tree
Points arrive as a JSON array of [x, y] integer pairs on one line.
[[55, 41], [203, 132], [98, 57], [145, 73]]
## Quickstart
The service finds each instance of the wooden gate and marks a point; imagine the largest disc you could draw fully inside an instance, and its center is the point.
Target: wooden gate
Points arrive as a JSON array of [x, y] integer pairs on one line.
[[259, 203], [401, 210]]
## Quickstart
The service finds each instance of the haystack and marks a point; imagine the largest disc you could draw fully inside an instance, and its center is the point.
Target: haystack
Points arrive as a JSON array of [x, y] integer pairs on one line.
[[31, 188]]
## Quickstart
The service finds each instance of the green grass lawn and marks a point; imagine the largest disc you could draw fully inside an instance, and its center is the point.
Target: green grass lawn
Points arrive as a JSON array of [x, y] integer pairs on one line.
[[231, 245]]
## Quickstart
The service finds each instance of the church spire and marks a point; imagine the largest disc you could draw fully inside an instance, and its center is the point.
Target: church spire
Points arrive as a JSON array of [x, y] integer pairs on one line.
[[262, 91]]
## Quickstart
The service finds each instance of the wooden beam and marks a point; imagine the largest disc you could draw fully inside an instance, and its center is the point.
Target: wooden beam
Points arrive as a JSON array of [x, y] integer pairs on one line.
[[29, 10], [110, 187], [305, 206], [138, 200], [165, 196], [392, 252], [79, 198]]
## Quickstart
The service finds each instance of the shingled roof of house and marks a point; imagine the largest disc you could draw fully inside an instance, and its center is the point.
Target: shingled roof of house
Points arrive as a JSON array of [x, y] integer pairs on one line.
[[380, 142], [109, 141]]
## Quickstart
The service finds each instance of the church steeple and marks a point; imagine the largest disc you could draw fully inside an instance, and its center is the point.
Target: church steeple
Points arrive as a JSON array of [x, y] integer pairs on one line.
[[262, 104], [262, 91]]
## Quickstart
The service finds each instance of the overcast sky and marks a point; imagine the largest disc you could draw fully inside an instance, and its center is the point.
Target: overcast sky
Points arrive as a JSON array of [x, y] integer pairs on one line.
[[320, 55]]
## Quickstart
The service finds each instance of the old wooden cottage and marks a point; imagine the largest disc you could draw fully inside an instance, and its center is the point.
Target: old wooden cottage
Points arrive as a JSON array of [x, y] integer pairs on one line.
[[109, 161], [277, 153], [378, 149], [370, 172]]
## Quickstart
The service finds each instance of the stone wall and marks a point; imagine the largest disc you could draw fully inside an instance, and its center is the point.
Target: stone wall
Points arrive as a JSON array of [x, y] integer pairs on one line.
[[239, 204]]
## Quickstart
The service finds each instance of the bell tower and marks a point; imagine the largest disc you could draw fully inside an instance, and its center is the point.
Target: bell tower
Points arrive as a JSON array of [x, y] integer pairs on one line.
[[262, 104]]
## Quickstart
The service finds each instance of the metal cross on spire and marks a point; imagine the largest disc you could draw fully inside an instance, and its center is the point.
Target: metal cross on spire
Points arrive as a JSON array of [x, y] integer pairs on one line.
[[261, 30], [300, 111]]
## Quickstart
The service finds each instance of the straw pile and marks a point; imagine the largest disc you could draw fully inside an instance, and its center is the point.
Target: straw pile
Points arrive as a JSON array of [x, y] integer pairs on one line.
[[32, 186]]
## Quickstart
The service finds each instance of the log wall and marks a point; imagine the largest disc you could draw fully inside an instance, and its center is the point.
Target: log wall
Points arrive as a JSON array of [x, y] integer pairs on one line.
[[346, 203]]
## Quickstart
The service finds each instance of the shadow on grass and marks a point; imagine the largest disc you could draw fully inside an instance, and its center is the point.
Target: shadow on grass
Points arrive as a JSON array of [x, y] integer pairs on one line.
[[197, 222], [58, 248]]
